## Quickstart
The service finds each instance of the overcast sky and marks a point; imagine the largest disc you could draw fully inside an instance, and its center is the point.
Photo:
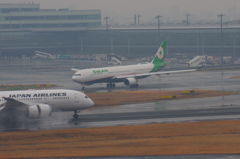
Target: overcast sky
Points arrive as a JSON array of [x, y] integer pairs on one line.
[[122, 11]]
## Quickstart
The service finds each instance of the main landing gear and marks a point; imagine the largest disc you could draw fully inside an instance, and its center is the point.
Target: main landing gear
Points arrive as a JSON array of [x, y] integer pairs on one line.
[[134, 85], [110, 85]]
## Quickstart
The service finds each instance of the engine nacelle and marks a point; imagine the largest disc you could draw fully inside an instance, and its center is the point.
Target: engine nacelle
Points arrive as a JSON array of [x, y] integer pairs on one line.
[[129, 81], [38, 111]]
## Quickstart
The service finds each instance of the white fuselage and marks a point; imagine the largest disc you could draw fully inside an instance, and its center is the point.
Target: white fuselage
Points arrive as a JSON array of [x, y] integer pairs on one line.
[[58, 100], [106, 74]]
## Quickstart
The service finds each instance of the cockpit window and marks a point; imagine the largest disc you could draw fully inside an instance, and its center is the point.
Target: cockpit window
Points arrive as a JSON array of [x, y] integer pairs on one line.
[[86, 96], [77, 75]]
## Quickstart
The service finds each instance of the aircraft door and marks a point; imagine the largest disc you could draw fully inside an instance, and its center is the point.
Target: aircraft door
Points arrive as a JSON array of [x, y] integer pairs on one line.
[[76, 96], [46, 100]]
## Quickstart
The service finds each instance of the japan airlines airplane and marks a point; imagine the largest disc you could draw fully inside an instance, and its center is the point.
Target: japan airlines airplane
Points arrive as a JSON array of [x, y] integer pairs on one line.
[[129, 74], [41, 103]]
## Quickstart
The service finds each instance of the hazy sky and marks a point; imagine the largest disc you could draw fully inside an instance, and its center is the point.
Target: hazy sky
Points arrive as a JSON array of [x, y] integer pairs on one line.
[[122, 11]]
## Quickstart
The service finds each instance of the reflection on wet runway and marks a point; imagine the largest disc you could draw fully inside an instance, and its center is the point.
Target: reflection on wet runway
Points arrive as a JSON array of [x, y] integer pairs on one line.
[[21, 72], [147, 113], [214, 108]]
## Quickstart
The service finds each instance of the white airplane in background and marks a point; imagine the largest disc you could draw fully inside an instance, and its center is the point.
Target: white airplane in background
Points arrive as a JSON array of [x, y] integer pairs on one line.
[[129, 74], [41, 103]]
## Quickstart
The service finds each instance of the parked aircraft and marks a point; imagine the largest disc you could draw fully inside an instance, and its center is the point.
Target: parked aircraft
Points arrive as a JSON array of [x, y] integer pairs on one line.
[[129, 74], [41, 103]]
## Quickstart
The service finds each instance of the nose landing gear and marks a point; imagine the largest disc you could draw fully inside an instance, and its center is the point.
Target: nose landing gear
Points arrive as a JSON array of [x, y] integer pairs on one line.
[[83, 87], [75, 116]]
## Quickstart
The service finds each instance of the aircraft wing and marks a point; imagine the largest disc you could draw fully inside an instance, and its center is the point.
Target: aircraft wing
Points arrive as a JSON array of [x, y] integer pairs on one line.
[[13, 104], [75, 69], [155, 73], [1, 107]]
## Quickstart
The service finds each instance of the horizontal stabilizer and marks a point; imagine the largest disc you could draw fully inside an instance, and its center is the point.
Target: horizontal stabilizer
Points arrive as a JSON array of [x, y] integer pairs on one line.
[[10, 102], [74, 69]]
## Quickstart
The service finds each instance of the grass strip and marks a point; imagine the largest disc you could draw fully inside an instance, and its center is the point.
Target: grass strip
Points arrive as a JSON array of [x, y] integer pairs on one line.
[[237, 77], [207, 137], [26, 86], [129, 97]]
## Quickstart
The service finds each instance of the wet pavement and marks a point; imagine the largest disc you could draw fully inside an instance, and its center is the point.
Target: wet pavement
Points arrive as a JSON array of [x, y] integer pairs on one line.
[[215, 108], [22, 72], [58, 72]]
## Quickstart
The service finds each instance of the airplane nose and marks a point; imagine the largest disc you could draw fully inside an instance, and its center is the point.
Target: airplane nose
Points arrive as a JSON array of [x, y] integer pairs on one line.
[[91, 103], [74, 78], [88, 102]]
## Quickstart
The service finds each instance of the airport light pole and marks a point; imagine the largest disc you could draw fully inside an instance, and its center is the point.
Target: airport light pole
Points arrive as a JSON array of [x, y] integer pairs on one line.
[[221, 15], [187, 17], [128, 47], [234, 47], [135, 19], [138, 16], [0, 49], [158, 18], [168, 38], [106, 18], [1, 44], [81, 45], [202, 46], [111, 45], [197, 47]]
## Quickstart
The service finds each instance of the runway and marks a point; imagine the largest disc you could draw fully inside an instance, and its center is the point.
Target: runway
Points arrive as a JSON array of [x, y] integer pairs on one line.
[[202, 109], [21, 72], [216, 108], [134, 114]]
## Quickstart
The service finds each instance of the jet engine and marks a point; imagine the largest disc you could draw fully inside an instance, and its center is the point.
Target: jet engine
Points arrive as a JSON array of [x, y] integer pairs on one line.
[[129, 81], [38, 111]]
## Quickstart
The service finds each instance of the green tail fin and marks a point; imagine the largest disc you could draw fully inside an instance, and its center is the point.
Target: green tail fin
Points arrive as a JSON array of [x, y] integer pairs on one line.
[[158, 60]]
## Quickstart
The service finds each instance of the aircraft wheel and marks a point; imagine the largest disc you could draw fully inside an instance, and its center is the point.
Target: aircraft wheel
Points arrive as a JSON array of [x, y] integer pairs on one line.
[[136, 85], [113, 85], [108, 85], [83, 87], [75, 115]]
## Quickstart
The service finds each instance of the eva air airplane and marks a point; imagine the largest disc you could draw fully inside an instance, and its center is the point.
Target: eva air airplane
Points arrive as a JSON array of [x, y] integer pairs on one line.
[[129, 74]]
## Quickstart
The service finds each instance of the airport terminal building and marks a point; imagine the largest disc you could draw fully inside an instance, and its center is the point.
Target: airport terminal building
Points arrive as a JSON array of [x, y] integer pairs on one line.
[[25, 28]]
